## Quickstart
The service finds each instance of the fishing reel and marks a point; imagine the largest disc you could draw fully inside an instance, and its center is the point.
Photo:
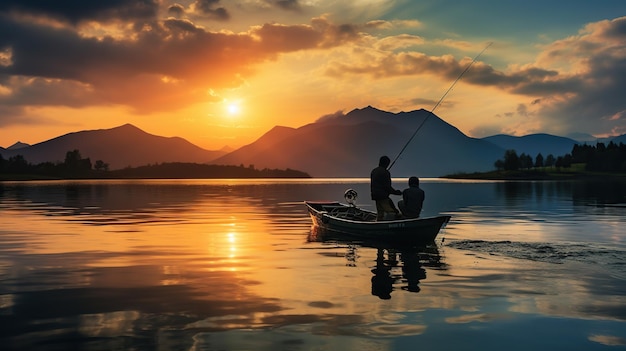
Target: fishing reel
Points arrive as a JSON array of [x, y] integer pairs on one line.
[[351, 195]]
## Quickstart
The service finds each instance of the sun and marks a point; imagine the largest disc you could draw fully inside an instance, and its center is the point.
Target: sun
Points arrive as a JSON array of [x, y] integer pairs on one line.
[[233, 107]]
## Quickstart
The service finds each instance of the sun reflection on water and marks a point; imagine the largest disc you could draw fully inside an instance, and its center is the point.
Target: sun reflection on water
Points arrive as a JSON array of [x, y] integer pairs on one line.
[[207, 263]]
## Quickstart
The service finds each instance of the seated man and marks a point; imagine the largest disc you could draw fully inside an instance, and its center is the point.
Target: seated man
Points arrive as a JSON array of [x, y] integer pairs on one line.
[[412, 199]]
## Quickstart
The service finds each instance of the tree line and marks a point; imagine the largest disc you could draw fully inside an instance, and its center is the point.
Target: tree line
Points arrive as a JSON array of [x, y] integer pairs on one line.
[[75, 166], [598, 158], [181, 170]]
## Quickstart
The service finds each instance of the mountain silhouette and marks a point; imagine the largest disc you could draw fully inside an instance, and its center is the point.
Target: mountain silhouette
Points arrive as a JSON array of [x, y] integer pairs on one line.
[[534, 144], [120, 147], [18, 145], [350, 145], [620, 139], [339, 145]]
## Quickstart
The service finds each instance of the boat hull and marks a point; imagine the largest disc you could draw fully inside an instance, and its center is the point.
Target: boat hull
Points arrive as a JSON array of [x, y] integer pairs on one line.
[[339, 220]]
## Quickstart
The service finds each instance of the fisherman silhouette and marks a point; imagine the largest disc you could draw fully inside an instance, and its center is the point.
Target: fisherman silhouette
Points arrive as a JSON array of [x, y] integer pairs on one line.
[[382, 282], [412, 271]]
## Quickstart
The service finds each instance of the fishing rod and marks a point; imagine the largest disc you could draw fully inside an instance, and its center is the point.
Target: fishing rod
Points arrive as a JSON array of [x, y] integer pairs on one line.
[[439, 103]]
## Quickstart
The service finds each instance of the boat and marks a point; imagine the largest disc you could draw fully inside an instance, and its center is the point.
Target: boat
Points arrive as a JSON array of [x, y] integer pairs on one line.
[[347, 221]]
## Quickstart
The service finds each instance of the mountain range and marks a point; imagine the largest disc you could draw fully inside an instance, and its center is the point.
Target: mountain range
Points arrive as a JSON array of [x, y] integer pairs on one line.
[[344, 145], [534, 144], [120, 147]]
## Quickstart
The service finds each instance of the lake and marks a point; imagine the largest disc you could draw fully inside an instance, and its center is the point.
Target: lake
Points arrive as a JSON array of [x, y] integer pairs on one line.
[[232, 265]]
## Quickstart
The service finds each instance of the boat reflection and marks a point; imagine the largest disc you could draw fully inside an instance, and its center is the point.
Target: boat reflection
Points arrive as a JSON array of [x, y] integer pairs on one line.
[[396, 267], [403, 268]]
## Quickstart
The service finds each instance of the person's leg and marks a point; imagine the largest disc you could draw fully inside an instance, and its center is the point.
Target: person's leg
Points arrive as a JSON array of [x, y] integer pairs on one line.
[[380, 210], [391, 207], [402, 207], [386, 206]]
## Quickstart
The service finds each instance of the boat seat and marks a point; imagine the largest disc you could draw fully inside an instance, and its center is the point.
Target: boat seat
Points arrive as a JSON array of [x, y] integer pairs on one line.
[[351, 213]]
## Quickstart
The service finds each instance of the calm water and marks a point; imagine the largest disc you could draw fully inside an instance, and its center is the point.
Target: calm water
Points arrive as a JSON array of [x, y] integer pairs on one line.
[[230, 265]]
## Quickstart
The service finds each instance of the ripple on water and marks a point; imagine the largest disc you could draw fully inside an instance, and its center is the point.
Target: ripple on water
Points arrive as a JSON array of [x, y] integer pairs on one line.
[[557, 253]]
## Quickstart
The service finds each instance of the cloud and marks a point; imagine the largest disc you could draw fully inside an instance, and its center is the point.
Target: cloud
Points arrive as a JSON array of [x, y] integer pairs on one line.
[[75, 11], [608, 340], [210, 9], [62, 53], [391, 64], [398, 42], [576, 83], [48, 92], [423, 101], [176, 10], [290, 5], [522, 110], [159, 65], [589, 95], [331, 116]]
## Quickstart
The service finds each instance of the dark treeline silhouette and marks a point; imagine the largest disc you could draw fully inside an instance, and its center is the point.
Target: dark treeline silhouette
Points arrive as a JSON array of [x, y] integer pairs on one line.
[[76, 167], [600, 158], [196, 170], [609, 158]]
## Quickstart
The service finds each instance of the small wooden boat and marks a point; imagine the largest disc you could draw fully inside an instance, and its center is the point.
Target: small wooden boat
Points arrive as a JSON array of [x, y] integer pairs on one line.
[[349, 221]]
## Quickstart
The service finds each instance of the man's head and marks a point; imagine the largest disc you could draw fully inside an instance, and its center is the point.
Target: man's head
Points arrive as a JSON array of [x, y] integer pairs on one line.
[[384, 161], [414, 181]]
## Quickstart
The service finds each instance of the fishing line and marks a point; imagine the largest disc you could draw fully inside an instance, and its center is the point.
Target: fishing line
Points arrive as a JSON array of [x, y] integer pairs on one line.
[[439, 103]]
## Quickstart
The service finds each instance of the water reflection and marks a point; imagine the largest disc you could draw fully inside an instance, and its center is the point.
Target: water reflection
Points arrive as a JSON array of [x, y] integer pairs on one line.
[[589, 192], [234, 265], [386, 275], [396, 266]]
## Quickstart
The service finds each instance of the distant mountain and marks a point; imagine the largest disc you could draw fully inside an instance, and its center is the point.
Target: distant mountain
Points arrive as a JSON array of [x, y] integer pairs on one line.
[[619, 139], [226, 149], [120, 147], [582, 137], [334, 146], [534, 144], [350, 146], [18, 145]]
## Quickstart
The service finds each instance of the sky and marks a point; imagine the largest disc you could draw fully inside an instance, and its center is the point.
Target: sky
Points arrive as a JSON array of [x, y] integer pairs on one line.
[[222, 73]]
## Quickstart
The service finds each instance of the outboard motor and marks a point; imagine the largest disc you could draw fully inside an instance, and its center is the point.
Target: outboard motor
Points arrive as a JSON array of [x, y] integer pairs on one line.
[[351, 195]]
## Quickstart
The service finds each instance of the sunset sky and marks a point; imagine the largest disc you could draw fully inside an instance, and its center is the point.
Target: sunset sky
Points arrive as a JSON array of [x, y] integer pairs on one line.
[[221, 73]]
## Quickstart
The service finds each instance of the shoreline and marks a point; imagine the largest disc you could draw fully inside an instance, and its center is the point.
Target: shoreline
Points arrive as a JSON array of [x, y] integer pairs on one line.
[[493, 175], [25, 178], [536, 175]]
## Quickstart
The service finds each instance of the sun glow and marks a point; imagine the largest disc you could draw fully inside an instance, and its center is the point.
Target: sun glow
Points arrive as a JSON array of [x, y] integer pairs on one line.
[[233, 108]]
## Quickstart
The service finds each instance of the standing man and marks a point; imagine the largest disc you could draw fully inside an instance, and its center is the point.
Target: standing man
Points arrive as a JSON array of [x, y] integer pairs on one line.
[[380, 185]]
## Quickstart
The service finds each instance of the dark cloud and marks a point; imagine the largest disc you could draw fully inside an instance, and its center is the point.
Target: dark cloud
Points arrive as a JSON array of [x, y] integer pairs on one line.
[[593, 98], [290, 5], [423, 101], [75, 11], [12, 115], [176, 10], [522, 110], [614, 30], [162, 65], [412, 63], [211, 9], [49, 92]]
